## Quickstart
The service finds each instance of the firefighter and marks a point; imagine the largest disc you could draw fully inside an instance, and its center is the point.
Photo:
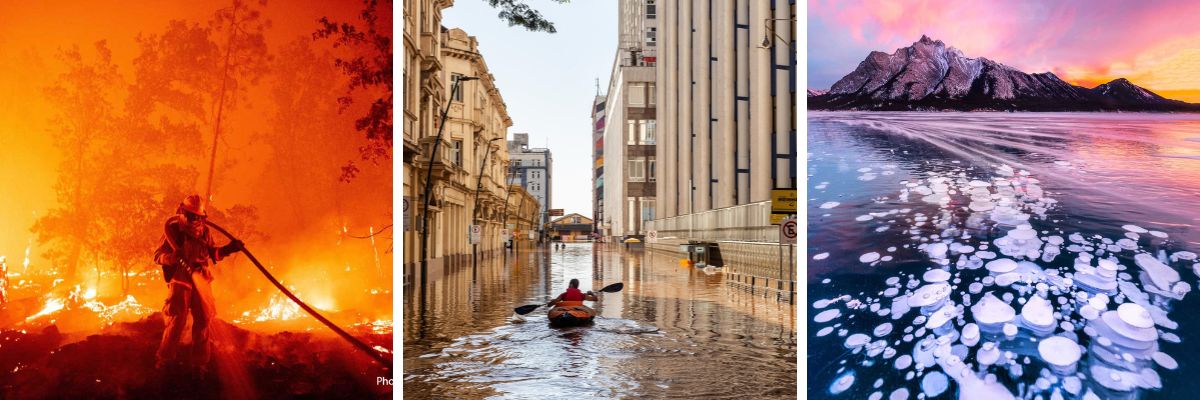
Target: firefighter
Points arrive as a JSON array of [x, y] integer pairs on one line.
[[187, 255]]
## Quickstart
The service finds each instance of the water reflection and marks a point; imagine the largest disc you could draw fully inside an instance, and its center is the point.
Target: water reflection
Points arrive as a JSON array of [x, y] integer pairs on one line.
[[672, 332]]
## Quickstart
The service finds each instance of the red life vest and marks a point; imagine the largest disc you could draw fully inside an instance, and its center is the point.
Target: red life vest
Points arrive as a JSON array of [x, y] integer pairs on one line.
[[572, 294]]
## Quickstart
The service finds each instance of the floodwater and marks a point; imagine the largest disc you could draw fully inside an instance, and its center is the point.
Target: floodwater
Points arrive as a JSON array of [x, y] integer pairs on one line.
[[986, 255], [673, 332]]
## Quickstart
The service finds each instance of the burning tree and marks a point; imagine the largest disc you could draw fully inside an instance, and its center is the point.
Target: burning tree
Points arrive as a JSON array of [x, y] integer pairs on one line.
[[175, 72], [85, 96], [127, 167], [369, 69]]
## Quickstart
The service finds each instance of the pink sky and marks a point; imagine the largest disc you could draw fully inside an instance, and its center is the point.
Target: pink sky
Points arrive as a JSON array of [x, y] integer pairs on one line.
[[1155, 44]]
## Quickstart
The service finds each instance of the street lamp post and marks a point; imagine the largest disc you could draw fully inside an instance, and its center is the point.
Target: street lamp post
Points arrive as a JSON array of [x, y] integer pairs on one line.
[[429, 177], [507, 177], [478, 186]]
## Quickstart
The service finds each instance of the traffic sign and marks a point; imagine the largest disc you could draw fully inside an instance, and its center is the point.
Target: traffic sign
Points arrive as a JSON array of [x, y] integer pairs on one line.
[[651, 236], [783, 204], [778, 218], [407, 214], [556, 212], [787, 231], [783, 200], [475, 232]]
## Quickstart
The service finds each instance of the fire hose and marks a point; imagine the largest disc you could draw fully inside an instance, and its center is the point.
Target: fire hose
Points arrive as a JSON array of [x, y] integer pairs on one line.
[[377, 355]]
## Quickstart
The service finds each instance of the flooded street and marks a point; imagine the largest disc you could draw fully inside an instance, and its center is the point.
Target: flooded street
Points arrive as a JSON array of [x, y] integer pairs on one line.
[[671, 332]]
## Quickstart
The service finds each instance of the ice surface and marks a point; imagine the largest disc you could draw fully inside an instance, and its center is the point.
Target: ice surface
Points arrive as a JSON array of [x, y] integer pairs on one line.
[[972, 220], [829, 204]]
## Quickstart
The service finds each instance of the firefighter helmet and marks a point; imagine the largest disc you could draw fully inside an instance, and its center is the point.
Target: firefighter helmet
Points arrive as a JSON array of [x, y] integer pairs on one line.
[[193, 204]]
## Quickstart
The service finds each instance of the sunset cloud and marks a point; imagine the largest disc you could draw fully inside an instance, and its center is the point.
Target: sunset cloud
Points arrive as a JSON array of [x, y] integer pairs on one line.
[[1155, 45]]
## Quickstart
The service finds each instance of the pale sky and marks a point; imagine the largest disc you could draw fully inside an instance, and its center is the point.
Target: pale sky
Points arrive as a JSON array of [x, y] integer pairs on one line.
[[548, 81]]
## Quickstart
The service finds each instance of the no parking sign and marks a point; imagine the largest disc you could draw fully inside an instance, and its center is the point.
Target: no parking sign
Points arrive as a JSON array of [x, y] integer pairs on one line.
[[787, 231]]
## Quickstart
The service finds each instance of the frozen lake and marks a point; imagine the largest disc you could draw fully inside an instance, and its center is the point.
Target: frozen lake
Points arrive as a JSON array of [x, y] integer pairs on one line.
[[998, 254]]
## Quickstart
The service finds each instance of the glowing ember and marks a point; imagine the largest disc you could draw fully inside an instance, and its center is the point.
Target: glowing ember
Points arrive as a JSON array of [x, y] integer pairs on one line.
[[279, 308], [25, 264], [381, 327], [111, 314]]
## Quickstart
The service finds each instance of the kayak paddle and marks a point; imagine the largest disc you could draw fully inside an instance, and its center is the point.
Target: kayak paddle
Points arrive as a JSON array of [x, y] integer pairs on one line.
[[526, 309]]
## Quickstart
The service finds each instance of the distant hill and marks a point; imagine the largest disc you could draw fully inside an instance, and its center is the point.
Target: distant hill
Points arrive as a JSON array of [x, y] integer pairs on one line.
[[931, 76]]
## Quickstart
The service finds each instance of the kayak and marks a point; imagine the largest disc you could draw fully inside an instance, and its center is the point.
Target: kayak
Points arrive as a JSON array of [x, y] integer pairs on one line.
[[571, 313]]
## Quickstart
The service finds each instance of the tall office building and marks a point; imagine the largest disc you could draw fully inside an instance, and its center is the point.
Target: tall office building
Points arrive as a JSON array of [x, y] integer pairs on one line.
[[629, 136], [726, 82], [597, 160], [532, 169]]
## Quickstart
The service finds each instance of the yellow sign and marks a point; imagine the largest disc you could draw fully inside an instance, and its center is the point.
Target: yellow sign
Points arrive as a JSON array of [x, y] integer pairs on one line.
[[783, 200], [777, 219]]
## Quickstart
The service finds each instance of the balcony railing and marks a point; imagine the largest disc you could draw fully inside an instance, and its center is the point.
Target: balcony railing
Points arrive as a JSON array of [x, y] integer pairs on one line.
[[444, 157]]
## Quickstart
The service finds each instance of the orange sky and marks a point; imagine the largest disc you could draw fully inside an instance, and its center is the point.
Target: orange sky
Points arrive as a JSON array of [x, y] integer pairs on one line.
[[31, 36]]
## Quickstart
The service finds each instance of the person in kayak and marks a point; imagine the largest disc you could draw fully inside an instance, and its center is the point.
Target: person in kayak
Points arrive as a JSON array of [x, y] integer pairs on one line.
[[573, 294], [568, 309]]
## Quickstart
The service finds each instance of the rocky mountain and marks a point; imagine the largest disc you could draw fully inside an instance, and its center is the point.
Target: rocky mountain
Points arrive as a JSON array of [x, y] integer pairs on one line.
[[928, 75], [816, 92]]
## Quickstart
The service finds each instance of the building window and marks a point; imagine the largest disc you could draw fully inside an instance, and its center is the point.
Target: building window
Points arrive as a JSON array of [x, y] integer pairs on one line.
[[632, 134], [632, 215], [651, 36], [651, 13], [637, 171], [457, 93], [650, 170], [647, 209], [650, 93], [637, 94], [456, 153], [647, 131]]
